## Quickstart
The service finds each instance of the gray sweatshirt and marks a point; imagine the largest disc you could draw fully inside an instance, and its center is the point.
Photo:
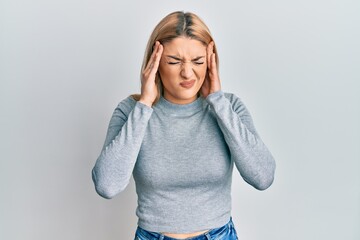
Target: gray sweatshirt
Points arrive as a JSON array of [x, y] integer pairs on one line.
[[182, 158]]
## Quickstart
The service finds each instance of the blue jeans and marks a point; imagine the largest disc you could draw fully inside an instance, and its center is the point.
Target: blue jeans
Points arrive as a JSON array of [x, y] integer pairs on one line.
[[226, 232]]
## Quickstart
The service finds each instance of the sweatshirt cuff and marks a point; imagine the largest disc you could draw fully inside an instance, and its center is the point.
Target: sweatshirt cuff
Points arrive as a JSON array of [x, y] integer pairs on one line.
[[142, 111], [143, 107], [215, 97]]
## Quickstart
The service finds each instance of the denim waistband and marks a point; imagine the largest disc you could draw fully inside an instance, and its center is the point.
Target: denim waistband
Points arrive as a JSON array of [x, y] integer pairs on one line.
[[204, 236]]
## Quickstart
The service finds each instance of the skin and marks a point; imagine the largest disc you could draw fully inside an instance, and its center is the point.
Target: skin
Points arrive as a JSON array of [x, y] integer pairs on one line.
[[179, 60], [182, 59]]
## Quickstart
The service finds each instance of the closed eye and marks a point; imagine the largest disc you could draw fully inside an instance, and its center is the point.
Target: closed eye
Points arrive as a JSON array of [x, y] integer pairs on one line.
[[177, 60], [197, 63]]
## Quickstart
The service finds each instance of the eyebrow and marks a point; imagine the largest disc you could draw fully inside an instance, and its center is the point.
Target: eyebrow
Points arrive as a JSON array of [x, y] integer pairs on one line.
[[179, 59]]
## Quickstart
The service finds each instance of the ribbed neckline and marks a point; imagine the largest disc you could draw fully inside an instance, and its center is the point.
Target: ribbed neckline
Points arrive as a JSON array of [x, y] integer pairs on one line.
[[180, 109]]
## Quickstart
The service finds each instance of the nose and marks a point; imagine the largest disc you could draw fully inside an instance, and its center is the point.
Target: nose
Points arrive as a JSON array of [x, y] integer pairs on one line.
[[186, 70]]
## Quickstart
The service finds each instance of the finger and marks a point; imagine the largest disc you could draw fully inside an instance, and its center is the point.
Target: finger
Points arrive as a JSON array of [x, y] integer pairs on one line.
[[151, 59], [157, 60], [156, 55], [205, 86], [213, 64], [208, 54], [207, 79], [210, 51], [155, 48]]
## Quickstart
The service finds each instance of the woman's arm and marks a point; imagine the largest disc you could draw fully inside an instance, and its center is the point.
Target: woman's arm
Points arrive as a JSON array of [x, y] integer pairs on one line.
[[114, 166], [252, 158]]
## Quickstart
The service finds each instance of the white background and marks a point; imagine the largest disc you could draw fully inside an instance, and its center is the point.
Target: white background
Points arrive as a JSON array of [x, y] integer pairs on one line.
[[65, 65]]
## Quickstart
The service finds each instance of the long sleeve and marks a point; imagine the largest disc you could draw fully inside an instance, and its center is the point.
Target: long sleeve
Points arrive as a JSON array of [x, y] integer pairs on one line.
[[114, 166], [252, 158]]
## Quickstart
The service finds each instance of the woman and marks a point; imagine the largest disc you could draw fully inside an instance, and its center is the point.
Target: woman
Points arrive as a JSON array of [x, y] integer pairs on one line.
[[180, 138]]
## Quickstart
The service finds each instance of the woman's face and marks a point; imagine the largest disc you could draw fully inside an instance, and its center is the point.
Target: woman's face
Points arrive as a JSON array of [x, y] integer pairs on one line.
[[182, 69]]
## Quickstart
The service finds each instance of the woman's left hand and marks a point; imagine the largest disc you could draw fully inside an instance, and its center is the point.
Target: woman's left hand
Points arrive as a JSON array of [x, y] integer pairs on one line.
[[212, 81]]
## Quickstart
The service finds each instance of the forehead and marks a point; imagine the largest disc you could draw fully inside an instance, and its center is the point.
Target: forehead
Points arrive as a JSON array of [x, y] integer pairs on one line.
[[184, 47]]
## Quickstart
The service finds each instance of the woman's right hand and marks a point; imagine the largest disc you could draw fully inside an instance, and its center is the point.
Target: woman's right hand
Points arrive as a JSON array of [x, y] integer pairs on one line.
[[149, 90]]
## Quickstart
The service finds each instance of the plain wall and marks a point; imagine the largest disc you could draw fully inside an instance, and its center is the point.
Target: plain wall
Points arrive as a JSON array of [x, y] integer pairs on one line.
[[65, 65]]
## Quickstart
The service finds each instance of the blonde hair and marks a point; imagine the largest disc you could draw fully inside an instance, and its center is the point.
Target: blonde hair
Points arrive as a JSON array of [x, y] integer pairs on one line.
[[176, 24]]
